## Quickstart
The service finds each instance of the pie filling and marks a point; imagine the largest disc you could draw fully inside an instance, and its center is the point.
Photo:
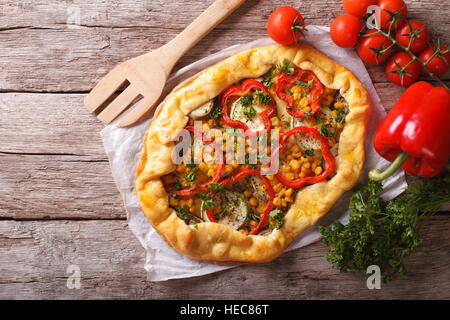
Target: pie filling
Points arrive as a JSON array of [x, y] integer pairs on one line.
[[288, 124]]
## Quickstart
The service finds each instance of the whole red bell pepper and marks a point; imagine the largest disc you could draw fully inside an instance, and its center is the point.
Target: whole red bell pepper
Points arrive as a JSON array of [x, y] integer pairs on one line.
[[286, 81], [240, 91], [416, 133]]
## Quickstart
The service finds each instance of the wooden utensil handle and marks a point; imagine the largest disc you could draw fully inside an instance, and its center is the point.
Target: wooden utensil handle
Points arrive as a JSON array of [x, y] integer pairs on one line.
[[200, 27]]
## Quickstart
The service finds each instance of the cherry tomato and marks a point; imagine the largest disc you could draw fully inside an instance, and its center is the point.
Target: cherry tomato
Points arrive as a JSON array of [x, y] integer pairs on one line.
[[439, 64], [357, 8], [415, 31], [369, 45], [398, 9], [345, 29], [285, 25], [398, 74]]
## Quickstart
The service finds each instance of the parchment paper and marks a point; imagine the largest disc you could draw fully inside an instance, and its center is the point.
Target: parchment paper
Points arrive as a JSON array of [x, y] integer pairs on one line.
[[123, 147]]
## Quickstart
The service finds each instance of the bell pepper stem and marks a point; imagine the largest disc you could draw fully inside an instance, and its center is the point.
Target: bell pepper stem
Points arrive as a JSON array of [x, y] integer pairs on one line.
[[378, 175]]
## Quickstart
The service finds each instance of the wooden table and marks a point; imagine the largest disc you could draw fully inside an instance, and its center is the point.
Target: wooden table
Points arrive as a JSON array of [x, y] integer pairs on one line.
[[58, 203]]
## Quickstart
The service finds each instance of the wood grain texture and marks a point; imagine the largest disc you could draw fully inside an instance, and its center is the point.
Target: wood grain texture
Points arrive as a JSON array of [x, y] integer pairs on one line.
[[39, 51], [34, 256], [58, 201]]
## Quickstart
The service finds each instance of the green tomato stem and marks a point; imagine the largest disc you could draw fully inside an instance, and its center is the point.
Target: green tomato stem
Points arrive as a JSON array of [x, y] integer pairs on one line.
[[413, 56], [378, 175]]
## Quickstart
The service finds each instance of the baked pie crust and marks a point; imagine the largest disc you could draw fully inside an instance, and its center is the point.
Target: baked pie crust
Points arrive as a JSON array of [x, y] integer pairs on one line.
[[217, 242]]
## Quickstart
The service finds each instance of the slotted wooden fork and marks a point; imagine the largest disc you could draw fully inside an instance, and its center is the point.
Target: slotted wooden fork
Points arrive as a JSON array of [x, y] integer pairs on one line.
[[147, 74]]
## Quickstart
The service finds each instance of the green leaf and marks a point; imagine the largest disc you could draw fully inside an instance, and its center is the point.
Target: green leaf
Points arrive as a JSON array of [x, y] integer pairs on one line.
[[276, 215], [190, 177], [216, 113]]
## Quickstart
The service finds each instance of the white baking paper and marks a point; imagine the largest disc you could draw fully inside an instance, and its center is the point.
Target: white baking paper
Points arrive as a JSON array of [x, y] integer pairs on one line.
[[123, 147]]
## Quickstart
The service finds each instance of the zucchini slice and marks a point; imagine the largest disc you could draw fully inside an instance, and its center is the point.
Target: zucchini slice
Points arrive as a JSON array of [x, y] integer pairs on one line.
[[203, 110], [237, 113], [235, 209]]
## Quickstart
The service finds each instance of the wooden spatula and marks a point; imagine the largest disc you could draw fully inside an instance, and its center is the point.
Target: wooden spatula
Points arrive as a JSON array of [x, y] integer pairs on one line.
[[144, 76]]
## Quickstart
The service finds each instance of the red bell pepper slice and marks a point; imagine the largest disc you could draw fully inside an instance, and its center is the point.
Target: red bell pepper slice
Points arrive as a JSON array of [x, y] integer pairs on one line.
[[416, 133], [239, 91], [300, 182], [287, 81], [269, 206], [188, 192]]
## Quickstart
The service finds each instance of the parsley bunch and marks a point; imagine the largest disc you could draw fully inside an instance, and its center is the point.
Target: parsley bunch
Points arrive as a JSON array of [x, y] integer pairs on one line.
[[384, 233]]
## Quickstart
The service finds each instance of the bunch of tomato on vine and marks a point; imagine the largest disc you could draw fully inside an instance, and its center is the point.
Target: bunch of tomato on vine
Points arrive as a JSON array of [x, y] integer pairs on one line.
[[404, 44]]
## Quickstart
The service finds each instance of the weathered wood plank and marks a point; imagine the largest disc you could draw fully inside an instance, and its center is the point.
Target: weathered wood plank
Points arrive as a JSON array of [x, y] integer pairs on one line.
[[39, 52], [57, 187], [49, 123], [34, 256]]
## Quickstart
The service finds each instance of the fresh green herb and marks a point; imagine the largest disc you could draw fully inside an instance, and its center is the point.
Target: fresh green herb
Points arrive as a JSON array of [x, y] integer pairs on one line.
[[216, 113], [253, 216], [263, 97], [182, 212], [325, 130], [267, 78], [303, 84], [222, 213], [246, 100], [286, 66], [208, 201], [384, 233], [277, 216], [287, 123], [190, 177], [340, 115], [215, 187], [309, 152], [249, 112]]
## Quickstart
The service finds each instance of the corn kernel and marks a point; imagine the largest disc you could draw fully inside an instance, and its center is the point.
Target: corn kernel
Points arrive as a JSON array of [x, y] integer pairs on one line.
[[295, 165], [304, 102], [289, 175], [275, 121], [211, 173], [318, 170], [277, 201], [203, 167], [295, 148], [253, 202], [289, 192]]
